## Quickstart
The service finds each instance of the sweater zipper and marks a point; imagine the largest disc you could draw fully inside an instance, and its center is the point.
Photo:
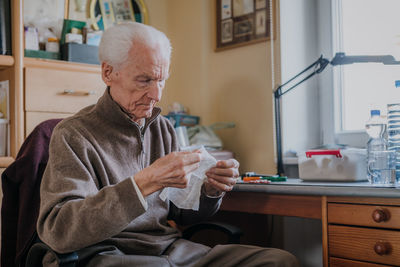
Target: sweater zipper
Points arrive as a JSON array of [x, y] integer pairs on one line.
[[142, 148], [141, 133]]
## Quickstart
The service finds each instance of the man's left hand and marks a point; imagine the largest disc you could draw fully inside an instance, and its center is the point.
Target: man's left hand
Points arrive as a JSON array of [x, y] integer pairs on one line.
[[222, 177]]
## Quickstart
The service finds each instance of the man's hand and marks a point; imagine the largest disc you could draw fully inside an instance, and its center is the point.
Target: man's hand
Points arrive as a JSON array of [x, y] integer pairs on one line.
[[222, 177], [168, 171]]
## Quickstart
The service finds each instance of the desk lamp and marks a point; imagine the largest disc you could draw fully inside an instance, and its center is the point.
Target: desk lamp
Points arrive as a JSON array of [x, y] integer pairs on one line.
[[318, 66]]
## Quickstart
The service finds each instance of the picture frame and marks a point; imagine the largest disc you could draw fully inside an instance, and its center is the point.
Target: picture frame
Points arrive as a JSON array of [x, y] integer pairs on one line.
[[243, 22], [123, 11], [105, 13]]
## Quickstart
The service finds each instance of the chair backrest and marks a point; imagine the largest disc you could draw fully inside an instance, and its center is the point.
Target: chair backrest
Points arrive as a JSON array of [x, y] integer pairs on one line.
[[21, 195]]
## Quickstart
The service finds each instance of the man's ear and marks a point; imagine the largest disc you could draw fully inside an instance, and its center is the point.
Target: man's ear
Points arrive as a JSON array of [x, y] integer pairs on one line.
[[106, 72]]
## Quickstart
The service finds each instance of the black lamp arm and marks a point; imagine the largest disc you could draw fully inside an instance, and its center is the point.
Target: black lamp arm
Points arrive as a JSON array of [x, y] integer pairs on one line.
[[319, 65], [341, 59]]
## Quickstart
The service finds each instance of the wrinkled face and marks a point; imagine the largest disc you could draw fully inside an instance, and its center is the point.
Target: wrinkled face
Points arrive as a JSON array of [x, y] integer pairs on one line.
[[137, 85]]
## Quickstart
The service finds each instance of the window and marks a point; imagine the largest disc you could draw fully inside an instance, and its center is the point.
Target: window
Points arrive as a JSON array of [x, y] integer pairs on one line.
[[364, 27], [332, 107]]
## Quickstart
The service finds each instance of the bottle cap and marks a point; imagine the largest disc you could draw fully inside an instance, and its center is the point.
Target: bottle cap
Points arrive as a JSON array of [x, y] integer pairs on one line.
[[375, 112], [52, 39]]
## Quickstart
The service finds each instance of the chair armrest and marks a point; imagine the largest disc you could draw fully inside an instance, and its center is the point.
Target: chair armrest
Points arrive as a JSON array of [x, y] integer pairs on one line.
[[233, 232], [38, 250]]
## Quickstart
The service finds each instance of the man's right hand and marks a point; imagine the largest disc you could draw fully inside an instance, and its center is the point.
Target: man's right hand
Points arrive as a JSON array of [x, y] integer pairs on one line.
[[168, 171]]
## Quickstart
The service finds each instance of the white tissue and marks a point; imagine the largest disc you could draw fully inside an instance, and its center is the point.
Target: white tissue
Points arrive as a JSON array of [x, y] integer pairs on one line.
[[189, 197]]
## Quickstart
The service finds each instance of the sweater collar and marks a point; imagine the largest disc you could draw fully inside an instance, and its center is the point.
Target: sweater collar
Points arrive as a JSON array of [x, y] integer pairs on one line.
[[110, 109]]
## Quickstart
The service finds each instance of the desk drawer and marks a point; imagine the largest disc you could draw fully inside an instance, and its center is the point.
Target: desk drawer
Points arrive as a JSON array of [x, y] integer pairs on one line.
[[364, 215], [32, 119], [364, 244], [337, 262], [58, 90]]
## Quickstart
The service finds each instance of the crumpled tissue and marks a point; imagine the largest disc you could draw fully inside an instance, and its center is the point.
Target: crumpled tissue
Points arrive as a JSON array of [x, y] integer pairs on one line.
[[189, 197]]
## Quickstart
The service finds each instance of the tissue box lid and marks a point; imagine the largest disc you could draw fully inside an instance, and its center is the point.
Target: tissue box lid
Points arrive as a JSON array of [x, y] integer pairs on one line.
[[333, 165]]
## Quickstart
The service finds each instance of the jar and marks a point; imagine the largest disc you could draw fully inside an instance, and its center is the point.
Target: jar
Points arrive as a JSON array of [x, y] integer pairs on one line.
[[52, 45]]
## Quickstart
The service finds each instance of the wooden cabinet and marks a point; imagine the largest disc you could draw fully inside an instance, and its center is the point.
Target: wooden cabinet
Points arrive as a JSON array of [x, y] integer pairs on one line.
[[363, 232], [10, 70], [56, 89], [338, 262], [42, 89]]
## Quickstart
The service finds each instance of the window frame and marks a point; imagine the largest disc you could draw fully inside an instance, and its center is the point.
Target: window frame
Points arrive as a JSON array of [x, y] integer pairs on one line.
[[333, 132]]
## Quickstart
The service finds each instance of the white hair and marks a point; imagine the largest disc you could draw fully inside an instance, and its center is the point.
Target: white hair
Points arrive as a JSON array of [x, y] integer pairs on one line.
[[119, 39]]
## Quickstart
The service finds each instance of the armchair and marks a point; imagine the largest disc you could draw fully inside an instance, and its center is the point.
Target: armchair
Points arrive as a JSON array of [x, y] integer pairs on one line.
[[20, 207]]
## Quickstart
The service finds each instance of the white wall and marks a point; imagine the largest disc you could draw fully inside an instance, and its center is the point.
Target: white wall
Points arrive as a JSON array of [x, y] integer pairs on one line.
[[305, 29], [299, 49], [326, 78]]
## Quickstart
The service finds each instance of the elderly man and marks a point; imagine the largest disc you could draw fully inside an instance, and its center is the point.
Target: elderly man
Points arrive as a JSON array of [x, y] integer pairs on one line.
[[109, 162]]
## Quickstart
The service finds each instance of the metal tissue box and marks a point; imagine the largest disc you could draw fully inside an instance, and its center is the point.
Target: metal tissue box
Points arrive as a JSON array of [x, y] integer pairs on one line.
[[342, 165]]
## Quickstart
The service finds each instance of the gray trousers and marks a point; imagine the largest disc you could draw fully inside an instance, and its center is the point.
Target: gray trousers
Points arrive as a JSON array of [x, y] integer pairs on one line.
[[186, 253]]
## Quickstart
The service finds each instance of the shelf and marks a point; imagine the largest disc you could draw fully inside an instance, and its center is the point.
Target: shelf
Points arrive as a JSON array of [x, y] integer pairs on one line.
[[6, 161], [60, 64], [6, 61]]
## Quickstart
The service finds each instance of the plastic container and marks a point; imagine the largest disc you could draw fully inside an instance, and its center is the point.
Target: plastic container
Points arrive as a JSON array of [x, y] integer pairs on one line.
[[340, 165], [382, 167], [52, 45], [394, 134], [182, 119], [41, 54], [80, 53]]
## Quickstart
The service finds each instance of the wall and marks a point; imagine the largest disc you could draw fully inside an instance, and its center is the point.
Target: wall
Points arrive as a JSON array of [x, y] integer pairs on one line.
[[325, 43], [302, 37], [299, 47], [44, 14], [158, 13], [229, 86]]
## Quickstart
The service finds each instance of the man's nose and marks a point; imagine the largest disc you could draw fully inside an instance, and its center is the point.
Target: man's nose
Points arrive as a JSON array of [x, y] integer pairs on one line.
[[155, 91]]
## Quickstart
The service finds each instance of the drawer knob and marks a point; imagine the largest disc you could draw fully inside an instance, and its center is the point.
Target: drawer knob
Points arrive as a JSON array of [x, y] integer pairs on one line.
[[382, 248], [380, 215]]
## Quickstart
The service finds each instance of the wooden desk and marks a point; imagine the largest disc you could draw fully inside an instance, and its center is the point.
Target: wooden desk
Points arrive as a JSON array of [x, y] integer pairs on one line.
[[360, 224]]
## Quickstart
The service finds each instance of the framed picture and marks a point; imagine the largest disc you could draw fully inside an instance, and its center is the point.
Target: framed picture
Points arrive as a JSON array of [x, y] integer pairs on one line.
[[242, 22], [105, 13], [123, 11]]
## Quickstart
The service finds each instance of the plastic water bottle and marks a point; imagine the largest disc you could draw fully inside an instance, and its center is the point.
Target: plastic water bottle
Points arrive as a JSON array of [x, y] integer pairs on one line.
[[394, 133], [376, 129]]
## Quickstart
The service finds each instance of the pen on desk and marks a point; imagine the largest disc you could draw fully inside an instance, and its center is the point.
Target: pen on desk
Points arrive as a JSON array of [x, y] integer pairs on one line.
[[250, 178], [255, 180], [253, 176]]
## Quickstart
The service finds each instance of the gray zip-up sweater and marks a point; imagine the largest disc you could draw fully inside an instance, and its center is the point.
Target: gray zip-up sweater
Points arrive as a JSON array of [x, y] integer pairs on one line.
[[88, 196]]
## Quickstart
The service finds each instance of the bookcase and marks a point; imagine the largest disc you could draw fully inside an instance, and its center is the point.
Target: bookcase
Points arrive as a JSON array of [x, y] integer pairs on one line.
[[11, 69], [22, 74]]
